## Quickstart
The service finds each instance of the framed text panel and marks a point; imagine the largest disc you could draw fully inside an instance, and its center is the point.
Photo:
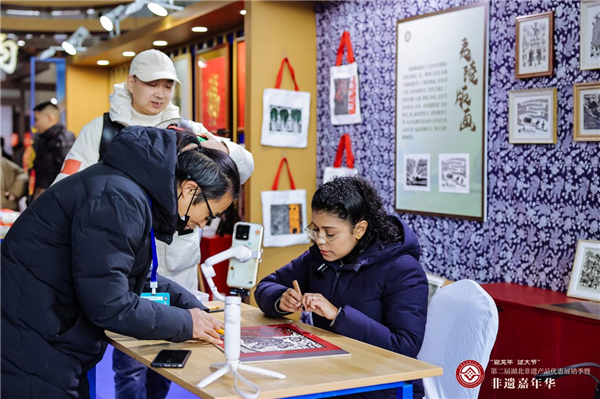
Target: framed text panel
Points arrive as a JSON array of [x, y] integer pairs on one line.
[[441, 113]]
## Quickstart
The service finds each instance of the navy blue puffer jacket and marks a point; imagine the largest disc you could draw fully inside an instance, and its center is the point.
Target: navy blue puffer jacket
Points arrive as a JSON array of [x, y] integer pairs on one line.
[[382, 296], [75, 262]]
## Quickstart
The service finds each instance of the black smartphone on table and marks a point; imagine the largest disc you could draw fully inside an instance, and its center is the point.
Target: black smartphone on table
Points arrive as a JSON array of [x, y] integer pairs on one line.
[[174, 358]]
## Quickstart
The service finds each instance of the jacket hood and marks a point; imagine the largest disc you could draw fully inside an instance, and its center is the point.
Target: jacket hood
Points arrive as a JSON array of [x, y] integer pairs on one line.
[[148, 156], [121, 108], [381, 251]]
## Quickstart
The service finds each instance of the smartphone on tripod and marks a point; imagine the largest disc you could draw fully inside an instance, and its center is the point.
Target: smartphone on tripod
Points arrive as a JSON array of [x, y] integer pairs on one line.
[[243, 274]]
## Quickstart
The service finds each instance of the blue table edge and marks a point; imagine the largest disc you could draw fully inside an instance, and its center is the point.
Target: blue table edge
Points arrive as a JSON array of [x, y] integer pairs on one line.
[[404, 391]]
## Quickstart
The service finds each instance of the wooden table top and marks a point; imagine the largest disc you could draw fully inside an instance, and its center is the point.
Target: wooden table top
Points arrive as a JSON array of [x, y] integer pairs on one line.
[[367, 365]]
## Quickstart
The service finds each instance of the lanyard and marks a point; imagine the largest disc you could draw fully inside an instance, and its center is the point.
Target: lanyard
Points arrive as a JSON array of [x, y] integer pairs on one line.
[[153, 276]]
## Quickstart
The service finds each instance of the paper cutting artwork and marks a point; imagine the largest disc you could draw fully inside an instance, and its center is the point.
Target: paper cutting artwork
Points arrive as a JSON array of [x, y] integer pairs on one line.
[[283, 342], [453, 173]]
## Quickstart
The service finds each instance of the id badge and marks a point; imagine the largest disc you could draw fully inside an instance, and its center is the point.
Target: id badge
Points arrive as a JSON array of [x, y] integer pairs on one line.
[[160, 297]]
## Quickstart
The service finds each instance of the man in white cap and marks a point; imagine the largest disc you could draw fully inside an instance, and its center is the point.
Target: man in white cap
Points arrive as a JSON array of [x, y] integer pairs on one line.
[[144, 99]]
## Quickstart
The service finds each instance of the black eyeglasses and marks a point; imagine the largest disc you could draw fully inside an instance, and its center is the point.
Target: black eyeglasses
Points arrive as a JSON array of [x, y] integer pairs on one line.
[[211, 215]]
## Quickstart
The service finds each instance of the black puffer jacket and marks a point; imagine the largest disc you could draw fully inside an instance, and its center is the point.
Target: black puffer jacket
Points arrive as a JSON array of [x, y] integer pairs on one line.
[[51, 148], [75, 262]]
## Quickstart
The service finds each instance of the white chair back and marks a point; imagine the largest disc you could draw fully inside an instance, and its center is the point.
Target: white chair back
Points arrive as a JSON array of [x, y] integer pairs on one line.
[[462, 324]]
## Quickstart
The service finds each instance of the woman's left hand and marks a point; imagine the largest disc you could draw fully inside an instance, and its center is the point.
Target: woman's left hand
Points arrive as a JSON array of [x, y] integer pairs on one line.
[[318, 304]]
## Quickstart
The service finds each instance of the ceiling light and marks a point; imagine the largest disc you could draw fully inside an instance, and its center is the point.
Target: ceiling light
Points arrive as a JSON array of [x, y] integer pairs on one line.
[[160, 43], [106, 23], [102, 62], [25, 13], [69, 48], [110, 20], [158, 9], [20, 43], [42, 36], [75, 42], [60, 37], [128, 53], [199, 29], [54, 101], [28, 36], [66, 13], [243, 12], [90, 11]]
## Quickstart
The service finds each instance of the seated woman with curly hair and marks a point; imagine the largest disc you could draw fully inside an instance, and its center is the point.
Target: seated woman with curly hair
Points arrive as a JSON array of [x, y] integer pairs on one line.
[[361, 279]]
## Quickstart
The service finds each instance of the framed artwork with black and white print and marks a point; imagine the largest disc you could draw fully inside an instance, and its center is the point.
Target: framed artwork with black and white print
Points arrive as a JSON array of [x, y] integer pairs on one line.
[[535, 48], [532, 116], [590, 34], [586, 111], [585, 277]]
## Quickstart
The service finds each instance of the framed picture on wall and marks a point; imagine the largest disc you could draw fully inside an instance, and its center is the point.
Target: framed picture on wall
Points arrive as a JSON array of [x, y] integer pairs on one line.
[[590, 34], [586, 111], [213, 88], [535, 45], [532, 116], [585, 277], [183, 94]]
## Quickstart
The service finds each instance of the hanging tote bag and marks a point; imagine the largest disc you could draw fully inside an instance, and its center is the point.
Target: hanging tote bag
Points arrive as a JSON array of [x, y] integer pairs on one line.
[[284, 213], [338, 170], [285, 114], [344, 99]]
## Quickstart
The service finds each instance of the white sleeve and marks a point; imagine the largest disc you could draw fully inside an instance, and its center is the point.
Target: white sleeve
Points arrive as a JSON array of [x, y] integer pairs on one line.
[[85, 151], [242, 158], [182, 254]]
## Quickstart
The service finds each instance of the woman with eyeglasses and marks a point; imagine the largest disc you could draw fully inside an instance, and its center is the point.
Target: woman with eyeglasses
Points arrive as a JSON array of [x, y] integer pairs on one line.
[[75, 262], [361, 277]]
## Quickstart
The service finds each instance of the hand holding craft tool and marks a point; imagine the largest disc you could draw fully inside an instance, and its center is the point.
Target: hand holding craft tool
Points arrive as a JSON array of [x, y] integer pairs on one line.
[[297, 288]]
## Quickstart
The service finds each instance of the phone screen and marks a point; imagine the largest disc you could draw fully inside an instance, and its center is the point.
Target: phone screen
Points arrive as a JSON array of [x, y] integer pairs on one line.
[[171, 358]]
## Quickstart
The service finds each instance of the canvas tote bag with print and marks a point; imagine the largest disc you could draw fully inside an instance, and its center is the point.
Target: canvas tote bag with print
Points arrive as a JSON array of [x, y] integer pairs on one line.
[[284, 213], [344, 99], [285, 114], [338, 170]]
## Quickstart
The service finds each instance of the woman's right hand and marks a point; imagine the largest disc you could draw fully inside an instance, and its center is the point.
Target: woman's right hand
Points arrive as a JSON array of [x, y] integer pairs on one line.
[[206, 326], [290, 301]]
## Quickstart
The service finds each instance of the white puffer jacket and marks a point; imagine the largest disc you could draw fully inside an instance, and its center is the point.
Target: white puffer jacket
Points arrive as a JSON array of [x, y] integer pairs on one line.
[[179, 260]]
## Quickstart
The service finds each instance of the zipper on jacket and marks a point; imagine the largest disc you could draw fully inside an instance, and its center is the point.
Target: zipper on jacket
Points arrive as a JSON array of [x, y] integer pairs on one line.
[[336, 278]]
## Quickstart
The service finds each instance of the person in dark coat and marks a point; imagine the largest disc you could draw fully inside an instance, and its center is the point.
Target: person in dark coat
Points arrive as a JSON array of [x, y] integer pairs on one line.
[[51, 146], [76, 261], [361, 278]]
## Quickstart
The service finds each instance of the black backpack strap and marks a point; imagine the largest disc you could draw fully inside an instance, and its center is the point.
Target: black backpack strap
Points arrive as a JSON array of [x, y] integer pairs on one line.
[[109, 131]]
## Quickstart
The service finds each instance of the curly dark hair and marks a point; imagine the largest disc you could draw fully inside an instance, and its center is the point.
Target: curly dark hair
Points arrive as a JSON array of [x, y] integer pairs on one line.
[[354, 199]]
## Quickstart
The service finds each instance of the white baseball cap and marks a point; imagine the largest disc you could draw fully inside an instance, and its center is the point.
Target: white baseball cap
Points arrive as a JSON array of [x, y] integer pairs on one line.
[[152, 65]]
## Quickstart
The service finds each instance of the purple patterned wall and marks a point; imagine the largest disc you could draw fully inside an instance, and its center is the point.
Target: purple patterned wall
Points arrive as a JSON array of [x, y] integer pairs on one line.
[[541, 198]]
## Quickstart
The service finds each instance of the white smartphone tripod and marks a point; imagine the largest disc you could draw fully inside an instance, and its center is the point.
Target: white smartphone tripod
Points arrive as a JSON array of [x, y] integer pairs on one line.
[[233, 325]]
